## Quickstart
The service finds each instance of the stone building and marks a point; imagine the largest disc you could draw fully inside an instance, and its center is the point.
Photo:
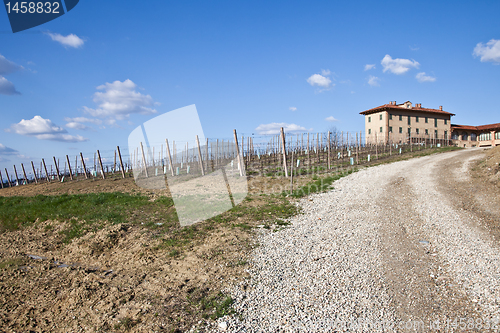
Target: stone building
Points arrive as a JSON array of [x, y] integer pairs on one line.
[[402, 123], [399, 123], [475, 136]]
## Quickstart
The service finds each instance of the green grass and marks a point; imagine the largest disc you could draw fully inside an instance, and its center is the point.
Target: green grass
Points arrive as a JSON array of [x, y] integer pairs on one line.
[[217, 306], [85, 211], [317, 185]]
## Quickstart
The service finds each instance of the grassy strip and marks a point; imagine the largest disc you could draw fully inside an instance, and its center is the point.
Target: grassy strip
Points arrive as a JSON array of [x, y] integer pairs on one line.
[[317, 185], [85, 211]]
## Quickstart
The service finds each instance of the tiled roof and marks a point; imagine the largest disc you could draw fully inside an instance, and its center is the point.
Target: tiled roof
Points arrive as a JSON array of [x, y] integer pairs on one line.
[[399, 108], [476, 128], [464, 127]]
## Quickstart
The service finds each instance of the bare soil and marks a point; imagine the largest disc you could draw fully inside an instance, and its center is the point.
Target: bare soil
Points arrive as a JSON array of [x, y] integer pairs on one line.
[[119, 278]]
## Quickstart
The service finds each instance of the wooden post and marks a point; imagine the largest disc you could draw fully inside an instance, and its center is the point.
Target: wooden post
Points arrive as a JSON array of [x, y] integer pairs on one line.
[[8, 178], [238, 152], [45, 167], [24, 173], [169, 157], [100, 163], [283, 148], [114, 164], [1, 179], [69, 167], [144, 161], [308, 151], [95, 166], [291, 175], [207, 159], [411, 144], [376, 146], [57, 169], [83, 164], [34, 173], [357, 148], [15, 171], [217, 153], [199, 156], [318, 148], [328, 156], [121, 161]]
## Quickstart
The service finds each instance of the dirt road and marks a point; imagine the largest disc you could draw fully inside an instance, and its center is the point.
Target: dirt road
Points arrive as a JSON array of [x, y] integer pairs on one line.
[[408, 246]]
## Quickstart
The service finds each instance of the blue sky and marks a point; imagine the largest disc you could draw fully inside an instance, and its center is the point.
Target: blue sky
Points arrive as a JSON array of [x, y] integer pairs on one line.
[[84, 81]]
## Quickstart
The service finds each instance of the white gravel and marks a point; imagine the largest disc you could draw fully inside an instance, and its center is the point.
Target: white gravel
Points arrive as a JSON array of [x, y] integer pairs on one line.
[[325, 272]]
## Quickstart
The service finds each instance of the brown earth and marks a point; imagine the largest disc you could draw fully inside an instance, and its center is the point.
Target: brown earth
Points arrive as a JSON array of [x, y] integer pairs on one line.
[[119, 278]]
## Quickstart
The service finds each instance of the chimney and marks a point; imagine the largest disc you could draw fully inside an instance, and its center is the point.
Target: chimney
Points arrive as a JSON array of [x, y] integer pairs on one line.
[[440, 108]]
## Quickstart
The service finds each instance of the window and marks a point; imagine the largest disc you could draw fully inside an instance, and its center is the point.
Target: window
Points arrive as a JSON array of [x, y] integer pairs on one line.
[[426, 131], [418, 132], [409, 120], [484, 136], [369, 119], [435, 122], [390, 129], [416, 119], [446, 135], [497, 135], [369, 131], [400, 118], [409, 130], [436, 133], [380, 129], [390, 117], [380, 117], [401, 130], [454, 136], [426, 120], [446, 121], [465, 136], [473, 137]]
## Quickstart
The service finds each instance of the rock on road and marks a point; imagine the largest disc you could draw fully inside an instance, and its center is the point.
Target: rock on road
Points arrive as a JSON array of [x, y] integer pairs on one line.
[[389, 249]]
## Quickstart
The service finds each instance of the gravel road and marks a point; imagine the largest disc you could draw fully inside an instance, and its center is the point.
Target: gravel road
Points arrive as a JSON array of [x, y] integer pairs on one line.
[[388, 250]]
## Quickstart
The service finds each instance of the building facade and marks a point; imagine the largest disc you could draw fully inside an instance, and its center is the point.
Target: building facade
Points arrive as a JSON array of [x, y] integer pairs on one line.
[[475, 136], [399, 123], [403, 123]]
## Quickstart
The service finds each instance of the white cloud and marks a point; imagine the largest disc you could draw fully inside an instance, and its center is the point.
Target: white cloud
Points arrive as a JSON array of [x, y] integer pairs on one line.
[[7, 66], [292, 108], [119, 100], [7, 151], [331, 119], [319, 81], [77, 126], [325, 72], [83, 120], [373, 81], [44, 129], [70, 40], [421, 77], [275, 128], [77, 123], [369, 66], [398, 66], [488, 52], [7, 87]]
